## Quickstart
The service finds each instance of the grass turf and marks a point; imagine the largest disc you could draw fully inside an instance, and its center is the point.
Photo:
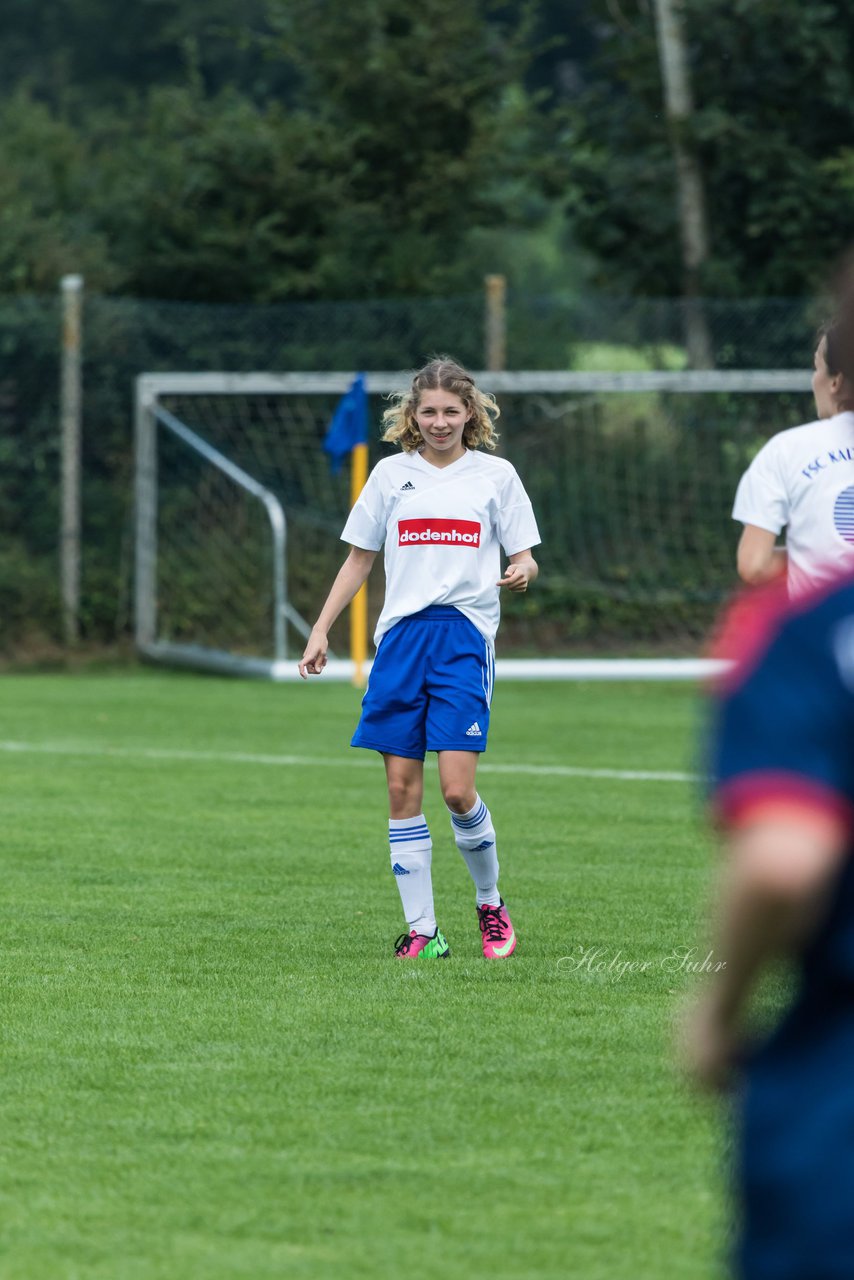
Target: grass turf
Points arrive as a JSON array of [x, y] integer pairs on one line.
[[212, 1066]]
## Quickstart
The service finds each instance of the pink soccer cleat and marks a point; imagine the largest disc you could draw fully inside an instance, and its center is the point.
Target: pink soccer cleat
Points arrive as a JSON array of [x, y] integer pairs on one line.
[[497, 933]]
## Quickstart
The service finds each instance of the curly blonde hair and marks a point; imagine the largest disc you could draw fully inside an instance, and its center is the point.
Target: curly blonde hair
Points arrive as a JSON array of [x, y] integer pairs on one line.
[[442, 374]]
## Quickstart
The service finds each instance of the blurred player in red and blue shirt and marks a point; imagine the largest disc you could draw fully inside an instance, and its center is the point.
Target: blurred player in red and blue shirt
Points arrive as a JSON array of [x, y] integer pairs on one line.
[[783, 766]]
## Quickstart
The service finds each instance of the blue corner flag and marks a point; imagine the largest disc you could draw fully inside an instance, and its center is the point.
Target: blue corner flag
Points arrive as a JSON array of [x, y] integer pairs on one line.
[[349, 425]]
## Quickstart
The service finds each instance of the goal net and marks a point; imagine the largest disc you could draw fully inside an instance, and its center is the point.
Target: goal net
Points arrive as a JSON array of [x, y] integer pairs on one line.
[[632, 478]]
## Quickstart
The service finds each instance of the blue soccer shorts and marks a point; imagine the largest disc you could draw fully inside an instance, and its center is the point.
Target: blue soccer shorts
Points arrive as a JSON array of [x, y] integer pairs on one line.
[[430, 687]]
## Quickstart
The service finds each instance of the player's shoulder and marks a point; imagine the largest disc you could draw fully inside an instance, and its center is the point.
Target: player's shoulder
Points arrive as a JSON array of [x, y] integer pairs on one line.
[[499, 469], [793, 439], [764, 625], [388, 469], [815, 643], [824, 605]]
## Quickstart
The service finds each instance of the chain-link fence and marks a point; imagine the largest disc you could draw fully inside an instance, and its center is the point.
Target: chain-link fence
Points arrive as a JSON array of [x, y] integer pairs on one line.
[[122, 338]]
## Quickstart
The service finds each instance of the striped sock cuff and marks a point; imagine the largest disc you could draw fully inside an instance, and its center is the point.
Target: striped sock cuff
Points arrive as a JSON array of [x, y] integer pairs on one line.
[[408, 830], [466, 821]]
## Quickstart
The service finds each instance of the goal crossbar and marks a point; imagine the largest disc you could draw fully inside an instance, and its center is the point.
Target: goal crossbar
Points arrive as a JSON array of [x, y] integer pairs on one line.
[[152, 385]]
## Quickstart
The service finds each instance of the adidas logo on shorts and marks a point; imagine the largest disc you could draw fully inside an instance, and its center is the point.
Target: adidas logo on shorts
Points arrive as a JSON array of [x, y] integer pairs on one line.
[[474, 731]]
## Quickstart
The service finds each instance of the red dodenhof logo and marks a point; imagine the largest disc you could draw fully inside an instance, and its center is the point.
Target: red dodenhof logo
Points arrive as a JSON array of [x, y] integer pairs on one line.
[[448, 533]]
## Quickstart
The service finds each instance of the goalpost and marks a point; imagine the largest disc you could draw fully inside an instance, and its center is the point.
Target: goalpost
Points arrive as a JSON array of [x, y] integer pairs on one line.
[[632, 477]]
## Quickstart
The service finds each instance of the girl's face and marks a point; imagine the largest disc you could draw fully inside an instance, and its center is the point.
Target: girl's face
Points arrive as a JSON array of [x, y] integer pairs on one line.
[[825, 386], [441, 417]]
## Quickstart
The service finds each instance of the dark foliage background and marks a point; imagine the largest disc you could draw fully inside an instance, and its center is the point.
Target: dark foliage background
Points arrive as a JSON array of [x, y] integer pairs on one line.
[[322, 184]]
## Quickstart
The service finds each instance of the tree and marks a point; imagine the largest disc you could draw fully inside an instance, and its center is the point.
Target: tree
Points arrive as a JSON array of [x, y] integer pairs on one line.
[[436, 125], [216, 199], [368, 177], [691, 197], [78, 54], [49, 227], [774, 99]]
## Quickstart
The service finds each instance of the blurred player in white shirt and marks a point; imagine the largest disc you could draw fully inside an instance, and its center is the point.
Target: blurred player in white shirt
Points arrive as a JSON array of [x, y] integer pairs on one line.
[[803, 480], [444, 511]]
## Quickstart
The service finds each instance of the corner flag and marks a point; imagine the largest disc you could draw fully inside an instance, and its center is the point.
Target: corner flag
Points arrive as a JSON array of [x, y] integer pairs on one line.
[[349, 425], [348, 435]]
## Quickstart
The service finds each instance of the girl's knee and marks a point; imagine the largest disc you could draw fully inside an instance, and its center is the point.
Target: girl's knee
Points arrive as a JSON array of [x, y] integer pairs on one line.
[[458, 797], [403, 794]]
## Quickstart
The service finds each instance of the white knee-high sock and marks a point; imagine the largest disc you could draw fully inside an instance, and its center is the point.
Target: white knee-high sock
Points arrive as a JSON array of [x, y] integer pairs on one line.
[[411, 855], [475, 837]]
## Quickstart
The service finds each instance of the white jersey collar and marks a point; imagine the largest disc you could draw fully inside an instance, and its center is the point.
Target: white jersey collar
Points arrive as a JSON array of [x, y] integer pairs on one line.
[[451, 468]]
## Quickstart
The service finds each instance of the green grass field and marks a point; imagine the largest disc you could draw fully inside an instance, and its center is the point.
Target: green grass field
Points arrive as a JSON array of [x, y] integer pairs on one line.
[[212, 1066]]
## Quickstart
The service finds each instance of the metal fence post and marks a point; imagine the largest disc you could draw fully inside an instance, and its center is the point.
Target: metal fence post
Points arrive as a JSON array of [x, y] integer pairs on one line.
[[70, 416], [496, 322]]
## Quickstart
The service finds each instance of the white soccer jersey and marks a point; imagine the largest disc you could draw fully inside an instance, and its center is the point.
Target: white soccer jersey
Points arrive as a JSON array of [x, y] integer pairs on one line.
[[443, 528], [803, 480]]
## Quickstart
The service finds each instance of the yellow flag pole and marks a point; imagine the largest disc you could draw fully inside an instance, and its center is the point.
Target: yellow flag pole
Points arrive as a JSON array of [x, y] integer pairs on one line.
[[359, 606]]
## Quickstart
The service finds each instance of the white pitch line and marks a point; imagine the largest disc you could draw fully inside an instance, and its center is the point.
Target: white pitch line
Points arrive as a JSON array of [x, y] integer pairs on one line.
[[245, 757]]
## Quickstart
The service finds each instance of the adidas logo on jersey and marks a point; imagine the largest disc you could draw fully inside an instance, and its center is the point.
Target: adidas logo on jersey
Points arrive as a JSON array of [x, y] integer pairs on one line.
[[474, 731], [408, 485]]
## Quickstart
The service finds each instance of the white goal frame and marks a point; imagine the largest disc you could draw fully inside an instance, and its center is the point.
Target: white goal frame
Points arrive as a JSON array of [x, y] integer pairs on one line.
[[150, 416]]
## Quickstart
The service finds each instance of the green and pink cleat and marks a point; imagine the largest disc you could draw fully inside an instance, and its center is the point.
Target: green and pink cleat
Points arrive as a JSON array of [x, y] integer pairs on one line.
[[416, 946]]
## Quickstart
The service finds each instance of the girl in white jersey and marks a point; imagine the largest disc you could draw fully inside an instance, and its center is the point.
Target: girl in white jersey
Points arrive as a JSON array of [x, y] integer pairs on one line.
[[443, 510], [803, 480]]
